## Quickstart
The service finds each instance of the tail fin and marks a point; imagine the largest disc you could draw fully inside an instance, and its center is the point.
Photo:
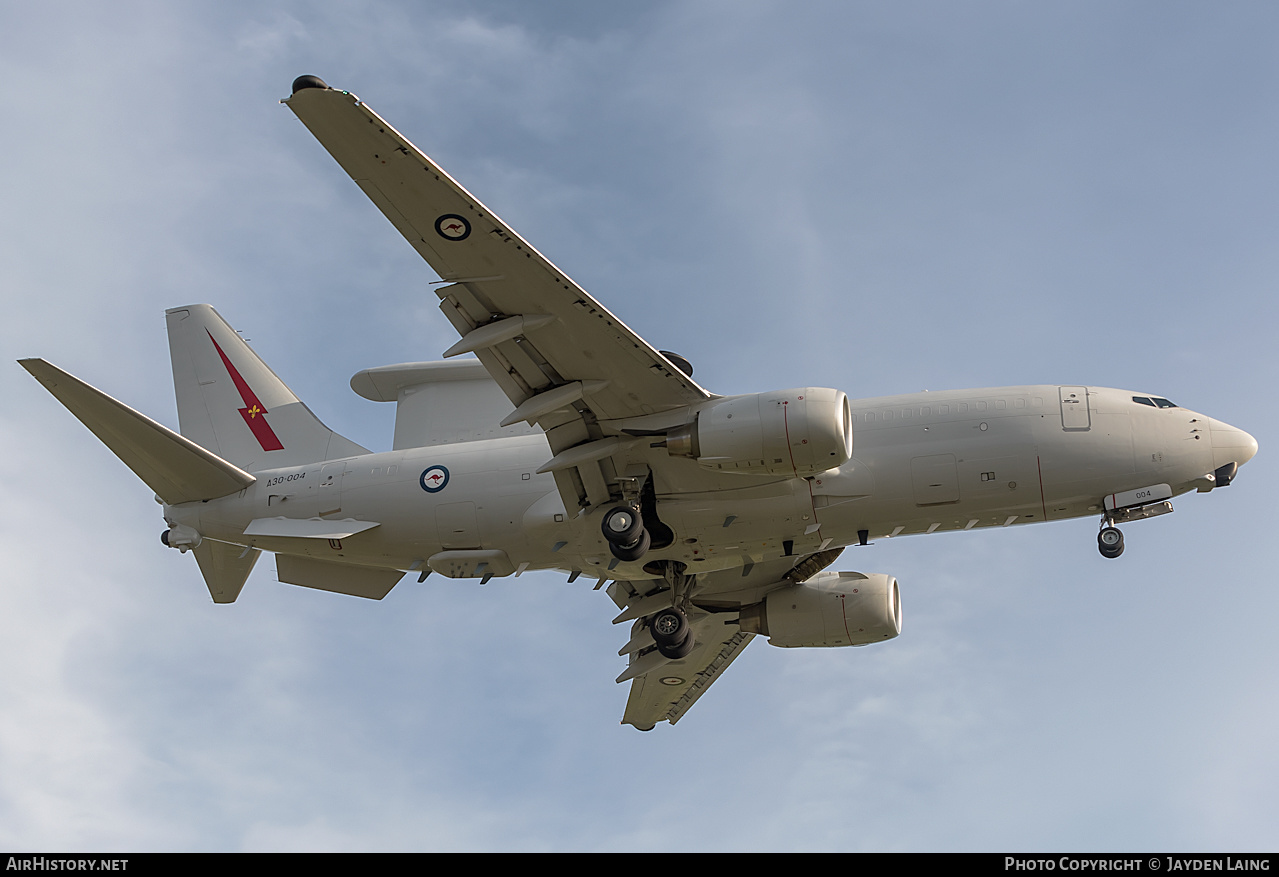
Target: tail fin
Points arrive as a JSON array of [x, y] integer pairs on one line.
[[230, 402]]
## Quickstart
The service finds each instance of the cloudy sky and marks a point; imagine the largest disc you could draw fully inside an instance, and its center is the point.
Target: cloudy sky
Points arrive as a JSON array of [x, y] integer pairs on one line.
[[879, 197]]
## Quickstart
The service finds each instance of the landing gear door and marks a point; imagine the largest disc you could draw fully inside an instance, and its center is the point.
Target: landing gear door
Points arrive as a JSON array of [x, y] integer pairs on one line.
[[1074, 408]]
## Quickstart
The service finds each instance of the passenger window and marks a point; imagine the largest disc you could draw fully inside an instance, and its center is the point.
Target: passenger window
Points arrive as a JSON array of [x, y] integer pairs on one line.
[[1000, 404]]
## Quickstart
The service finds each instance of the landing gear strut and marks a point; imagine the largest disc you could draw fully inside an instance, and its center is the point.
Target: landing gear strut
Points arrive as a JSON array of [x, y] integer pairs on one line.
[[1110, 541], [671, 629]]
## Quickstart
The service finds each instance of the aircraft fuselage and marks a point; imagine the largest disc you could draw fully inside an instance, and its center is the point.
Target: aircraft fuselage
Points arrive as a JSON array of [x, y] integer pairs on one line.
[[922, 463]]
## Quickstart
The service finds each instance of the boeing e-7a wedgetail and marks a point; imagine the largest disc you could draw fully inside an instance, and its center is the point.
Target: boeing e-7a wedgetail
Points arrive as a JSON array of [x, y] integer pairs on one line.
[[713, 517]]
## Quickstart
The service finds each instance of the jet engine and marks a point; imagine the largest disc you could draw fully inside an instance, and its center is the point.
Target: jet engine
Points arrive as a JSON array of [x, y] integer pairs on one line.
[[786, 432], [830, 609]]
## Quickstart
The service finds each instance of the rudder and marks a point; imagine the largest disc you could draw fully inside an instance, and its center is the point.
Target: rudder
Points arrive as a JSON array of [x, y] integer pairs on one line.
[[230, 402]]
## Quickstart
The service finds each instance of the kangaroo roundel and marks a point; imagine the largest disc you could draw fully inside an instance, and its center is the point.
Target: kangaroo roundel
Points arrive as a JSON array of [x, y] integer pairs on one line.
[[453, 227], [434, 479]]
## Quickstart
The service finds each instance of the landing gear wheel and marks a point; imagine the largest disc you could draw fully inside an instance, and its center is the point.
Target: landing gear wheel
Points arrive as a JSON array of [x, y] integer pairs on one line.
[[631, 553], [622, 525], [672, 633], [1110, 542], [669, 625], [679, 651]]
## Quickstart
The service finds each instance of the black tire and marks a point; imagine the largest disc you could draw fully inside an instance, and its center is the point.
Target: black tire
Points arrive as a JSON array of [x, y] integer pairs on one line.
[[669, 627], [631, 553], [679, 651], [622, 525], [1110, 542]]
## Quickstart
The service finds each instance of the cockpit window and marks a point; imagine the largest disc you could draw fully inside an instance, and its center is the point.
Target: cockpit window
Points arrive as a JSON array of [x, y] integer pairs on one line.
[[1154, 402], [1164, 403], [1144, 401]]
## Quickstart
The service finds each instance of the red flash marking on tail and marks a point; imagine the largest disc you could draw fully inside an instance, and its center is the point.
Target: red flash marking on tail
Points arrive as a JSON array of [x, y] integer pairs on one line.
[[253, 411]]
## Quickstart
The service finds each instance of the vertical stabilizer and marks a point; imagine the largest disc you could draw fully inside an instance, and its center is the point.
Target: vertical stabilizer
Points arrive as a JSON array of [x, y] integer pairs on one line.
[[230, 402]]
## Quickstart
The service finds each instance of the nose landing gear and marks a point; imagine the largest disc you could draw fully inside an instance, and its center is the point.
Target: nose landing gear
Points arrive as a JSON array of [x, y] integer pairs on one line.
[[1132, 505], [1110, 541]]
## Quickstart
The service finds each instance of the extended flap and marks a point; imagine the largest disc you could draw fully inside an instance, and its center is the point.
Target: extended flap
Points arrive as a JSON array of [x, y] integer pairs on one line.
[[370, 582], [307, 528]]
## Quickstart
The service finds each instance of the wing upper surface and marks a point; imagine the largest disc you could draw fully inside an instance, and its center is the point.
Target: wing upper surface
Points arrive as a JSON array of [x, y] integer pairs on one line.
[[560, 356]]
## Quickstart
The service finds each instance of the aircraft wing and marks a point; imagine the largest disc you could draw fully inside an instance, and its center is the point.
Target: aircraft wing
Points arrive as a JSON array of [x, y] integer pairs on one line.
[[562, 359], [663, 690], [665, 694]]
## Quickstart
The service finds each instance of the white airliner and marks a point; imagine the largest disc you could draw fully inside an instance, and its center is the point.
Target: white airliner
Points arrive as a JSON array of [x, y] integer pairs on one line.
[[567, 442]]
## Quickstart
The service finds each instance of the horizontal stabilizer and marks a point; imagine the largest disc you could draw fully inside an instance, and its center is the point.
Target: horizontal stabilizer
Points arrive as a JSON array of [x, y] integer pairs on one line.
[[225, 568], [176, 468]]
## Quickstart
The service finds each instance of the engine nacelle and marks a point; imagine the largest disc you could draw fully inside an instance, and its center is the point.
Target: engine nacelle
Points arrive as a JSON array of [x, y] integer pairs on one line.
[[786, 432], [830, 609]]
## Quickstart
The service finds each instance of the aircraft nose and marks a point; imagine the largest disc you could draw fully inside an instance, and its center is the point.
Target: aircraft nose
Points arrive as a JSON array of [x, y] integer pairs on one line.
[[1230, 445]]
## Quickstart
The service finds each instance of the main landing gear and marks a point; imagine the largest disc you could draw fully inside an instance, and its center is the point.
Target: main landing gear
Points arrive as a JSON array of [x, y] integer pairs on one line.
[[670, 627], [672, 633], [624, 530], [1110, 541]]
